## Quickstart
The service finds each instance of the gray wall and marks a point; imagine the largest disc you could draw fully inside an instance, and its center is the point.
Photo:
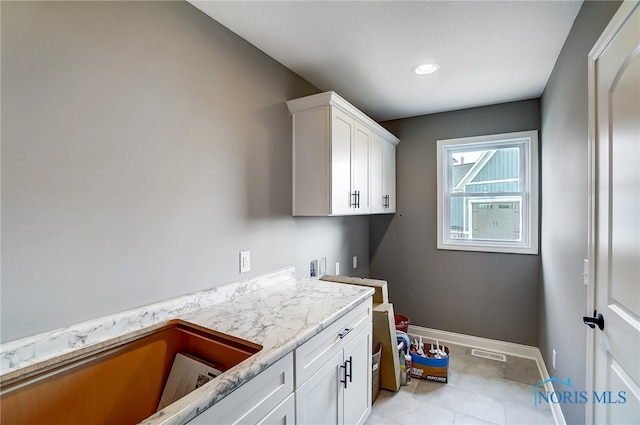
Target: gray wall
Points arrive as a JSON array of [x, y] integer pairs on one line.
[[143, 146], [564, 206], [490, 295]]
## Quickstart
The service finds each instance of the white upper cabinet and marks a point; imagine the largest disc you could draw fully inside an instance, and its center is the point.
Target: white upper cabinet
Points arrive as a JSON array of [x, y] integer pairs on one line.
[[343, 161], [382, 168], [389, 178], [360, 168]]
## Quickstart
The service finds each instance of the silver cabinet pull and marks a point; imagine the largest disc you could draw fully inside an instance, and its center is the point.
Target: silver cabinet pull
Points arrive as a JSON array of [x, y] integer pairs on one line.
[[344, 333]]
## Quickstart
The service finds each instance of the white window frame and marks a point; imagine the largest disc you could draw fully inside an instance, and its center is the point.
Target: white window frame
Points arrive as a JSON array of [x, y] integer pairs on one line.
[[528, 143]]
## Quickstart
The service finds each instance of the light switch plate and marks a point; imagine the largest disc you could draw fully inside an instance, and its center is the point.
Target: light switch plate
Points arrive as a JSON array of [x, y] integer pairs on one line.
[[245, 261], [355, 261], [585, 272]]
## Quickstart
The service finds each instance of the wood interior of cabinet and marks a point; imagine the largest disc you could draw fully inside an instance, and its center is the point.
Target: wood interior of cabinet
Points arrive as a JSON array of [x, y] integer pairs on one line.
[[120, 384]]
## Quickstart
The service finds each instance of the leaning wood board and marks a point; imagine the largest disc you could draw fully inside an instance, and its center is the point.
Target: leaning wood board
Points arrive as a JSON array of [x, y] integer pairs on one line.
[[384, 332]]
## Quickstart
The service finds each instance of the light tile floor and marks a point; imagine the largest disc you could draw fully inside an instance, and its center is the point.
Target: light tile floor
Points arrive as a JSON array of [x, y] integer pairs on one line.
[[479, 391]]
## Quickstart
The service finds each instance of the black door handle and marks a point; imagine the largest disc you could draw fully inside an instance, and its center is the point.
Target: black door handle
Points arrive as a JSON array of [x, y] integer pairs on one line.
[[595, 320]]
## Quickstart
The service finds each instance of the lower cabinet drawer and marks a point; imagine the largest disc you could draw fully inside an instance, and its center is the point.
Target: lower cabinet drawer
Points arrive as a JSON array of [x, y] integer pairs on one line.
[[255, 400], [313, 354], [283, 414]]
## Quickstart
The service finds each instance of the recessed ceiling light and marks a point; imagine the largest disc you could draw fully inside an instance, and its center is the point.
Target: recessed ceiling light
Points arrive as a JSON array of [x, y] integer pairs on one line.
[[426, 68]]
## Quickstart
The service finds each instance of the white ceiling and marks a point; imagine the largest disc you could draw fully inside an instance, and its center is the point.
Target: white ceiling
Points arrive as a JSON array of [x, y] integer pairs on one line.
[[489, 52]]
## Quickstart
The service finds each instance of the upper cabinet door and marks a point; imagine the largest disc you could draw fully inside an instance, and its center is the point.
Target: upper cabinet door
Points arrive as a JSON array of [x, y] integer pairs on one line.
[[360, 170], [382, 156], [389, 177], [375, 170], [342, 141]]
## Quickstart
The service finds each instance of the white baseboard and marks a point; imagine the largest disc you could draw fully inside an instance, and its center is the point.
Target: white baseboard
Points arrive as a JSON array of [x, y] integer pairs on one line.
[[509, 348]]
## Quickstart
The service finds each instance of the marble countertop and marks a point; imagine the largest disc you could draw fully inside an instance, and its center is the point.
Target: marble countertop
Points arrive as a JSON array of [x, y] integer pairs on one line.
[[276, 311]]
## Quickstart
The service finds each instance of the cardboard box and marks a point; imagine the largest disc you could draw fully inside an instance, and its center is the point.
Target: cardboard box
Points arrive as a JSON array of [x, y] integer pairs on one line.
[[187, 373], [430, 368], [375, 371]]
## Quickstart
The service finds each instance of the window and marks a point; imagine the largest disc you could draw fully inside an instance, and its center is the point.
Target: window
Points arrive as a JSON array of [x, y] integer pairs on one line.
[[488, 193]]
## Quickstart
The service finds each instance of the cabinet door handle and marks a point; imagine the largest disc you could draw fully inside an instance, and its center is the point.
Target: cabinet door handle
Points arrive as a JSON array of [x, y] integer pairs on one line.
[[347, 374], [354, 202], [344, 366], [344, 333]]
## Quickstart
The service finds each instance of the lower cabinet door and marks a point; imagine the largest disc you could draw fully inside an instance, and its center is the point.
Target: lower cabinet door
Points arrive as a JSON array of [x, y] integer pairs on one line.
[[319, 401], [357, 394], [283, 414]]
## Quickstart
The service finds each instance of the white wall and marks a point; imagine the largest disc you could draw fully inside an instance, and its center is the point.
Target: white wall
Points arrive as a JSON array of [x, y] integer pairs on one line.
[[143, 146]]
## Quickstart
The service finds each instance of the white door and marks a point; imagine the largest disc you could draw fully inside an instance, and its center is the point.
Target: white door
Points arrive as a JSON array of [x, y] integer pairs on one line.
[[615, 81]]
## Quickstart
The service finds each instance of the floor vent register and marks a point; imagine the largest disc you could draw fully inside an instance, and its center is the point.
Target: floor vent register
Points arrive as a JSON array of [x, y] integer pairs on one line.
[[488, 355]]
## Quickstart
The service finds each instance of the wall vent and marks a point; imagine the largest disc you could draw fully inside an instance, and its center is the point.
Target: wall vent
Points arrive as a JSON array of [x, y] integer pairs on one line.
[[488, 355]]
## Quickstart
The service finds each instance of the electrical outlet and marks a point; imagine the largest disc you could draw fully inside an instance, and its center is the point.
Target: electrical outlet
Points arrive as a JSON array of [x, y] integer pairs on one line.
[[313, 268], [338, 268], [355, 261], [322, 266], [245, 261], [553, 359]]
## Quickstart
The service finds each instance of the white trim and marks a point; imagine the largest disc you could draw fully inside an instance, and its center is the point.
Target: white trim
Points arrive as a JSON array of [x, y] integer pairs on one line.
[[493, 181], [331, 98], [473, 172], [528, 143], [509, 348], [624, 11]]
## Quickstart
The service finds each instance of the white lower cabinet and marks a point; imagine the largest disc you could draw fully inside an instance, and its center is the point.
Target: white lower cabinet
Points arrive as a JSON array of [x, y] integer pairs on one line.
[[357, 392], [325, 381], [263, 399], [283, 414], [320, 400], [339, 390]]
